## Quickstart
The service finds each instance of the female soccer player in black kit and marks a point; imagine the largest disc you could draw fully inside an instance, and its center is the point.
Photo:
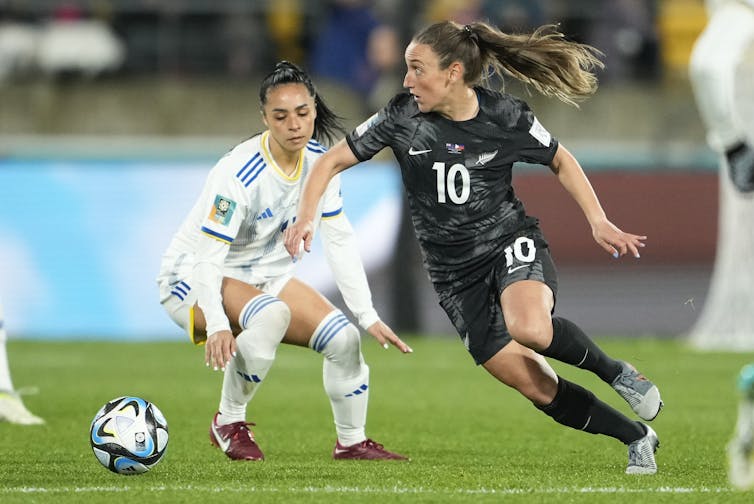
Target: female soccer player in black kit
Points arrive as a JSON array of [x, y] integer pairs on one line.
[[456, 143]]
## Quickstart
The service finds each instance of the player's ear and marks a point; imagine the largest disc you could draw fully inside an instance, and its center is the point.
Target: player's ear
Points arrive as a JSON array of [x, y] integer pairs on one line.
[[456, 71]]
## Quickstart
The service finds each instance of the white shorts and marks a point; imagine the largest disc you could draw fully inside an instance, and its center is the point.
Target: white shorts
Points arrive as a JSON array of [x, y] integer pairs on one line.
[[181, 308]]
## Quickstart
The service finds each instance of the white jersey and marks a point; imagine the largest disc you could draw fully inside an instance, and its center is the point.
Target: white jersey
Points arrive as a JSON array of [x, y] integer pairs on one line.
[[718, 70], [247, 202], [245, 206]]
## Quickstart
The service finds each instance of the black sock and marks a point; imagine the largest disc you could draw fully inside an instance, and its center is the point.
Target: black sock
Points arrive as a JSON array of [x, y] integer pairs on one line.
[[572, 346], [576, 407]]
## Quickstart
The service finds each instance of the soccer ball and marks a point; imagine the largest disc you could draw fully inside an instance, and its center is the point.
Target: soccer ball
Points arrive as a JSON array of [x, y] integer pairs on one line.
[[129, 435]]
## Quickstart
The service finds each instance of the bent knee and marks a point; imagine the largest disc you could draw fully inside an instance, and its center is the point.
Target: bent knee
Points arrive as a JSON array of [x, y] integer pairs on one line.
[[278, 313], [534, 333], [267, 311], [337, 338]]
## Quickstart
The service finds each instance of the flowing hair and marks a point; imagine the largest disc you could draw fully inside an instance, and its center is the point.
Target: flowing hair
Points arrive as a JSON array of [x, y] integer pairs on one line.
[[544, 59], [327, 125]]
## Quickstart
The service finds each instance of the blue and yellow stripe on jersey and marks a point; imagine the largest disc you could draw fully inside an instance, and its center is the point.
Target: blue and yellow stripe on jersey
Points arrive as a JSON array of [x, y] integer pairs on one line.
[[333, 214], [217, 236]]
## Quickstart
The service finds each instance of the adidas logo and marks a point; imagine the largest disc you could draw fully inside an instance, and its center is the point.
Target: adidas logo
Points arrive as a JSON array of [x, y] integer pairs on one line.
[[249, 378], [265, 215]]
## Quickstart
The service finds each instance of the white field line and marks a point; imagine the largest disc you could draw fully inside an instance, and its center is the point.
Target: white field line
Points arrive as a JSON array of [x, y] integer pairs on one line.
[[395, 490]]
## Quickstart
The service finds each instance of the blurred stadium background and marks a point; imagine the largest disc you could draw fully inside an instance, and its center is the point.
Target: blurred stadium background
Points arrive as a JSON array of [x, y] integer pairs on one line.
[[113, 111]]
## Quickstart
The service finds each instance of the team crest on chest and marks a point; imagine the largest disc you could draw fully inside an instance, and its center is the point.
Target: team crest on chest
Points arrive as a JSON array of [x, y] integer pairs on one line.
[[484, 158]]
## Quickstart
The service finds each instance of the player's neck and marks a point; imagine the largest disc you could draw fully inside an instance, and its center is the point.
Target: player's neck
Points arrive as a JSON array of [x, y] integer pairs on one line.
[[287, 161], [460, 105]]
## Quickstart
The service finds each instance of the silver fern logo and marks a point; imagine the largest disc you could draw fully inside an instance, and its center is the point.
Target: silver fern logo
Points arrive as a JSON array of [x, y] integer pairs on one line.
[[486, 157]]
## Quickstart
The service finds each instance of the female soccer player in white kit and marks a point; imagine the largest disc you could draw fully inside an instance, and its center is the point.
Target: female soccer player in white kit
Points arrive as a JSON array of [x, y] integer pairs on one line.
[[226, 275], [716, 73], [12, 408], [718, 54]]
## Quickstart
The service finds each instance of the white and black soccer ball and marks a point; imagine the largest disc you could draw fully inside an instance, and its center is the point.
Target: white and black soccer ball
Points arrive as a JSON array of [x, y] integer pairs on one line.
[[129, 435]]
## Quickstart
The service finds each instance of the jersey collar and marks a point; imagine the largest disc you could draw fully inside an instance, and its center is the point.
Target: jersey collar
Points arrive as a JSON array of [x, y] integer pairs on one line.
[[268, 155]]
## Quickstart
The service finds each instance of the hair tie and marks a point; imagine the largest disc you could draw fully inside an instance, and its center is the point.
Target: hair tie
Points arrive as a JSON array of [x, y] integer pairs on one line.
[[471, 34]]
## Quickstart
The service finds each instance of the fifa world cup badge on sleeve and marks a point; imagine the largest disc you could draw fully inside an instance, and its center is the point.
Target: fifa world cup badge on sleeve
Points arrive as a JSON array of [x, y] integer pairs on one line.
[[540, 133], [222, 210]]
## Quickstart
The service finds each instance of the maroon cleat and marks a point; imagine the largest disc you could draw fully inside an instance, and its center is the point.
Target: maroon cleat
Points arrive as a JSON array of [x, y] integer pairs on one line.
[[366, 450], [235, 440]]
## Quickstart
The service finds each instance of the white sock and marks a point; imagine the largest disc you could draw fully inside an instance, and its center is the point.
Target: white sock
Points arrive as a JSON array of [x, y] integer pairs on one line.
[[265, 320], [349, 399], [5, 381], [345, 375]]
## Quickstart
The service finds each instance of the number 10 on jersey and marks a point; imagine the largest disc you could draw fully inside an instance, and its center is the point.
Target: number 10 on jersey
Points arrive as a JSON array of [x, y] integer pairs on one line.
[[446, 183]]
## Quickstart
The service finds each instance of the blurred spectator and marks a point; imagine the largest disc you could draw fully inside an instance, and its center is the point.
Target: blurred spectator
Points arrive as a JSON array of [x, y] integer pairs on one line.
[[625, 31], [340, 50], [515, 15], [245, 40], [385, 58], [285, 21], [70, 44], [460, 11], [18, 46]]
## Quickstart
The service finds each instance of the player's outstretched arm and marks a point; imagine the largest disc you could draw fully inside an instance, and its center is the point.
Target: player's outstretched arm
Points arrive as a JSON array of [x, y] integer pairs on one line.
[[332, 162], [341, 251], [605, 233]]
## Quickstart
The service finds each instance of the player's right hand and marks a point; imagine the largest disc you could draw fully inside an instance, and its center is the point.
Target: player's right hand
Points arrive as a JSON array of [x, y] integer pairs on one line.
[[219, 349], [616, 242], [383, 334], [295, 234]]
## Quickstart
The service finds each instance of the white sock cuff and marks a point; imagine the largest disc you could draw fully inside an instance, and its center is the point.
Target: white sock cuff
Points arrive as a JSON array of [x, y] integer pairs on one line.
[[333, 323], [256, 305]]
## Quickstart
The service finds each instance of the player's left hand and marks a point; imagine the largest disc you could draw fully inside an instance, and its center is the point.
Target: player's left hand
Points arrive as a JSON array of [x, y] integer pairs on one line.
[[383, 334], [219, 349], [295, 234], [616, 242]]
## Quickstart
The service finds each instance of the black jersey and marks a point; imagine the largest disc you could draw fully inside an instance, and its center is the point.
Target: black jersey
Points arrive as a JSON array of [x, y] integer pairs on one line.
[[457, 176]]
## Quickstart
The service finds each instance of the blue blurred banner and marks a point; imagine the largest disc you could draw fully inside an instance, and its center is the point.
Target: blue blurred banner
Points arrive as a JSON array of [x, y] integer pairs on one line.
[[80, 241]]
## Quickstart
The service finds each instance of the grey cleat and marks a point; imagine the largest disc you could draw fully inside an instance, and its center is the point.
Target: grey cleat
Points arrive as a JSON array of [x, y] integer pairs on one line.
[[641, 453], [641, 394]]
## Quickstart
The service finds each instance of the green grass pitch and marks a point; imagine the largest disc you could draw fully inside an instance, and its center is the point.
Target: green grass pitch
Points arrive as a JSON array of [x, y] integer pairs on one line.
[[470, 439]]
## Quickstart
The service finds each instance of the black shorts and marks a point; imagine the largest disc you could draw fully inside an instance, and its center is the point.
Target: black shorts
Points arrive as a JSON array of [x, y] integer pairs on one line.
[[475, 310]]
